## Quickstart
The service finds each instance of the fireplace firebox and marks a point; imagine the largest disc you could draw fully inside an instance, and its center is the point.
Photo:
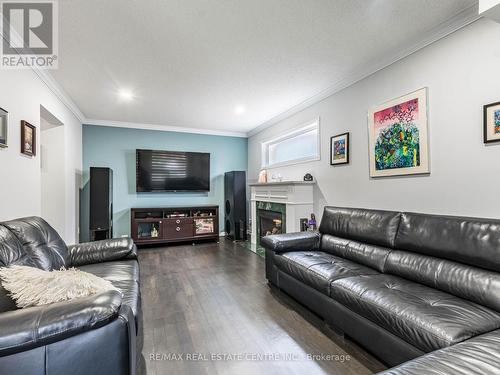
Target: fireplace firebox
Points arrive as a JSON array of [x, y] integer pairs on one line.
[[271, 222], [270, 219]]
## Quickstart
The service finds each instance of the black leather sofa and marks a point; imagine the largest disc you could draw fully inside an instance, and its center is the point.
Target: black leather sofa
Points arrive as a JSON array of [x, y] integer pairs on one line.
[[99, 334], [403, 285]]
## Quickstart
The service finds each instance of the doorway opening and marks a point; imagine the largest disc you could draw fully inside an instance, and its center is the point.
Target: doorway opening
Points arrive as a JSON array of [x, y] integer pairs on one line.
[[52, 165]]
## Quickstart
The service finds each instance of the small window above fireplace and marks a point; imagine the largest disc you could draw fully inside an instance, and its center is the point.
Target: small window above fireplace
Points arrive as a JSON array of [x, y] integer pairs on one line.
[[296, 146]]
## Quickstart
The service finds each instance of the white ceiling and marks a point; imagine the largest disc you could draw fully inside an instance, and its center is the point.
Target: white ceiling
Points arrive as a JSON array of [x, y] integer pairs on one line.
[[190, 63]]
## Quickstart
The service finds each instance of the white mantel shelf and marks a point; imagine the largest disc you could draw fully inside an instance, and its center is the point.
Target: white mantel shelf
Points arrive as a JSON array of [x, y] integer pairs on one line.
[[278, 183], [297, 196]]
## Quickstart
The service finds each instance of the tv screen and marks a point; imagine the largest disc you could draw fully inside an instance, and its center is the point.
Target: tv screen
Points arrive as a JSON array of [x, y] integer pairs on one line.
[[172, 171]]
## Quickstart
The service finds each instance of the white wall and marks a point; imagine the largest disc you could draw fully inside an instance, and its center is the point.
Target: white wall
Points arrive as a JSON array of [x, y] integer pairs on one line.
[[53, 184], [21, 95], [462, 73]]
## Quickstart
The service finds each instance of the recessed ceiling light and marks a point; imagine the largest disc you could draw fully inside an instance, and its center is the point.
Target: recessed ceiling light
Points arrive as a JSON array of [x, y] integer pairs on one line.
[[239, 110], [125, 94]]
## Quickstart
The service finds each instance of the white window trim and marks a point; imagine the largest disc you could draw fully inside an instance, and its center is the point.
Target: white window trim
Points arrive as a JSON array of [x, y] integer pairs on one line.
[[303, 128]]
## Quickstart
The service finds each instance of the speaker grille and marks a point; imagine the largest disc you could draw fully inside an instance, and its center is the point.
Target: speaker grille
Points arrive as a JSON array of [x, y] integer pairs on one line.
[[101, 198], [235, 204]]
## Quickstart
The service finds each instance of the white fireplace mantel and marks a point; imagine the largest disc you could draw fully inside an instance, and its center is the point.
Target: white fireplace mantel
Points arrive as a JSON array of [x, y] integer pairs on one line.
[[296, 195]]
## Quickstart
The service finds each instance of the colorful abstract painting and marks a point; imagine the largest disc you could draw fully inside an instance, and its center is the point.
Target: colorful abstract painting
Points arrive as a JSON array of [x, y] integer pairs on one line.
[[497, 121], [492, 122], [339, 149], [398, 141], [398, 136]]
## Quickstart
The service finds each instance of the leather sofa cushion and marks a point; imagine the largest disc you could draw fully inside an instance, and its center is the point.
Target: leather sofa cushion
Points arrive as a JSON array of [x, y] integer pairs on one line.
[[124, 275], [427, 318], [370, 226], [12, 251], [31, 327], [475, 284], [467, 240], [40, 242], [130, 294], [114, 271], [477, 356], [318, 269], [370, 255]]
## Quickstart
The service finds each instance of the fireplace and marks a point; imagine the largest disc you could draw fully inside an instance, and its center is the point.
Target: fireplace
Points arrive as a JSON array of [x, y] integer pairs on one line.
[[270, 222], [271, 219], [293, 199]]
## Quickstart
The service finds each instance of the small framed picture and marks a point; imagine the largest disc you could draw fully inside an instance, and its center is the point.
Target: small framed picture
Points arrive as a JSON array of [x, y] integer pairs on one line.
[[339, 149], [492, 122], [28, 139], [4, 127]]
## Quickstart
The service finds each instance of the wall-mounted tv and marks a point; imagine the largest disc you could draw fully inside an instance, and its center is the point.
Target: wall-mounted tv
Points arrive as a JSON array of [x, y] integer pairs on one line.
[[158, 171]]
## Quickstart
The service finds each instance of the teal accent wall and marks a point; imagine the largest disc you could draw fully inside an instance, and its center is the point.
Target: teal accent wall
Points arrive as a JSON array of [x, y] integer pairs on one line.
[[115, 148]]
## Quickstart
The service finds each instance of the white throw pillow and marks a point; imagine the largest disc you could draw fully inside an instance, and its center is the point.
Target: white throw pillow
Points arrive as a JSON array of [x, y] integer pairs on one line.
[[29, 286]]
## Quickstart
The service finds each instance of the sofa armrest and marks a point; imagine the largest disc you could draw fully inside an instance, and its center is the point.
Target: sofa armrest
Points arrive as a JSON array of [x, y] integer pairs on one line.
[[300, 241], [25, 329], [102, 251]]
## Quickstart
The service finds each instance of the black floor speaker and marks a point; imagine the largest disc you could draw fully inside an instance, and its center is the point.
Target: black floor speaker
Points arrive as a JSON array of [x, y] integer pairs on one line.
[[101, 203], [235, 210]]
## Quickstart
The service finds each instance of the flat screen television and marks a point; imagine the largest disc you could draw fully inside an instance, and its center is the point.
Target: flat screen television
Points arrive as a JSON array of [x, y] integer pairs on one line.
[[158, 171]]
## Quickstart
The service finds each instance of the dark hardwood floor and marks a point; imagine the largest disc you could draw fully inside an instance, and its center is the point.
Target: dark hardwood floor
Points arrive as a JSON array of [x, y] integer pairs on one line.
[[213, 299]]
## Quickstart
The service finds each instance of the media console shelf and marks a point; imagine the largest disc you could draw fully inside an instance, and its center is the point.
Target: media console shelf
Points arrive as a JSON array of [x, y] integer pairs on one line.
[[174, 224]]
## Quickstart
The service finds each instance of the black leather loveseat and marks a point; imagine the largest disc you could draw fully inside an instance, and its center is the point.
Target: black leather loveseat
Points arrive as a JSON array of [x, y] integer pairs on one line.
[[92, 335], [401, 284]]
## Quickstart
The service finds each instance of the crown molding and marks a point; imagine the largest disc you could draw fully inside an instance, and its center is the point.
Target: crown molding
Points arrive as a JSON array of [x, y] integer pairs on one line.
[[59, 92], [457, 22], [166, 128]]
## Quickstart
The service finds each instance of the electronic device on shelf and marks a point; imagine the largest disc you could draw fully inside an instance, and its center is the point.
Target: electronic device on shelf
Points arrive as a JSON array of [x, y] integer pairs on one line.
[[177, 215]]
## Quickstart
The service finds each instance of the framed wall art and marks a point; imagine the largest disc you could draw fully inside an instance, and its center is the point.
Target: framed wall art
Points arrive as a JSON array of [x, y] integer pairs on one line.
[[339, 149], [397, 132], [491, 121], [28, 139], [4, 127]]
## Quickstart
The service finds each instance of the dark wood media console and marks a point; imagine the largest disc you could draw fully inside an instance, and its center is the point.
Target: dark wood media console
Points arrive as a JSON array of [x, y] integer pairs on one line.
[[174, 224]]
